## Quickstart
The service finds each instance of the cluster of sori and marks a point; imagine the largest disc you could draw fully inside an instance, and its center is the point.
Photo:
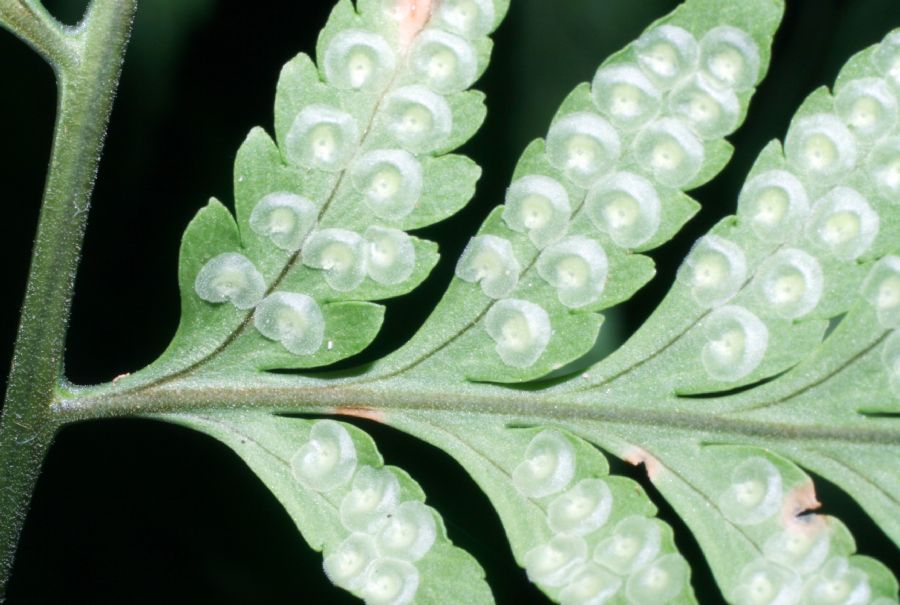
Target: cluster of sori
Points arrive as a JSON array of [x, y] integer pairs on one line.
[[643, 140], [385, 255], [293, 319], [385, 535], [818, 214], [805, 559], [588, 561], [410, 72]]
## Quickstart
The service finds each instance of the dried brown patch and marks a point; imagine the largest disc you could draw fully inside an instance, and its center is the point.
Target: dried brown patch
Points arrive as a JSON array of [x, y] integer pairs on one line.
[[367, 413], [799, 500], [413, 16], [637, 455]]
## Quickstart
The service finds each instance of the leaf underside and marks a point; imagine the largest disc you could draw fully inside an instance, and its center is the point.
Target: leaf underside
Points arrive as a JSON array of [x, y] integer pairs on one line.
[[776, 349]]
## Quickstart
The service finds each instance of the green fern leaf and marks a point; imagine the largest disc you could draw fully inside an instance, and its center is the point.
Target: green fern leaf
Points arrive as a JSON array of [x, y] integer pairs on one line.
[[582, 534], [380, 541], [776, 349], [608, 182], [361, 154]]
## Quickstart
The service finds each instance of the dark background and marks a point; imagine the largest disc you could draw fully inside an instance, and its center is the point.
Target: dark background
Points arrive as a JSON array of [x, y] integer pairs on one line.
[[133, 511]]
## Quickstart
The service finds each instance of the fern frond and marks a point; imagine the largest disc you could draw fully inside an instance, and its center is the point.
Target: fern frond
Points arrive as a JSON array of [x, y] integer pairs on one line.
[[605, 184], [361, 154], [582, 535], [814, 241], [380, 541], [776, 350]]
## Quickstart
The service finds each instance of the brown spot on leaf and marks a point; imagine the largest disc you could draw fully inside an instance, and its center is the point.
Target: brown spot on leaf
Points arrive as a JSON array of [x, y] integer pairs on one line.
[[412, 17], [637, 455], [799, 500], [367, 413]]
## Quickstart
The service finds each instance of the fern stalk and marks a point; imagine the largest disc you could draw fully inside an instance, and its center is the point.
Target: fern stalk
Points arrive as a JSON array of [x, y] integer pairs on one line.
[[382, 399], [87, 60], [31, 22]]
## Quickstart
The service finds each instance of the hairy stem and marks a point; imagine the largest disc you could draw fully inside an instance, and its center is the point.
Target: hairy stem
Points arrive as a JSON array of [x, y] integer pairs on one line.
[[284, 394], [86, 90], [30, 21]]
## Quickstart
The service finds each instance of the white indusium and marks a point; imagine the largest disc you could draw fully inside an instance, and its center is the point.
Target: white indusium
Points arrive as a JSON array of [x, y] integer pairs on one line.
[[659, 582], [626, 96], [346, 565], [789, 283], [843, 223], [838, 583], [667, 54], [295, 320], [520, 330], [374, 494], [775, 203], [736, 342], [714, 270], [582, 559], [763, 582], [821, 148], [555, 562], [582, 509], [729, 58], [868, 107], [635, 541], [490, 261], [577, 267], [390, 180], [409, 532], [712, 112], [584, 146], [419, 119], [469, 18], [327, 460], [626, 207], [285, 218], [230, 277], [539, 206], [360, 60], [322, 138], [340, 253], [391, 255], [445, 62], [801, 546], [390, 582], [755, 493], [670, 151], [589, 584], [548, 467]]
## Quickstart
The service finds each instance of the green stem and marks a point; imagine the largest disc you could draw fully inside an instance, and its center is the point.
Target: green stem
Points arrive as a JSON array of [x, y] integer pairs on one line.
[[284, 394], [87, 79], [29, 20]]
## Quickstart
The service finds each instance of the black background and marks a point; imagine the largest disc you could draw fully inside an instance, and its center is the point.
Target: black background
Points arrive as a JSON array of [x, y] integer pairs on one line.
[[132, 511]]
